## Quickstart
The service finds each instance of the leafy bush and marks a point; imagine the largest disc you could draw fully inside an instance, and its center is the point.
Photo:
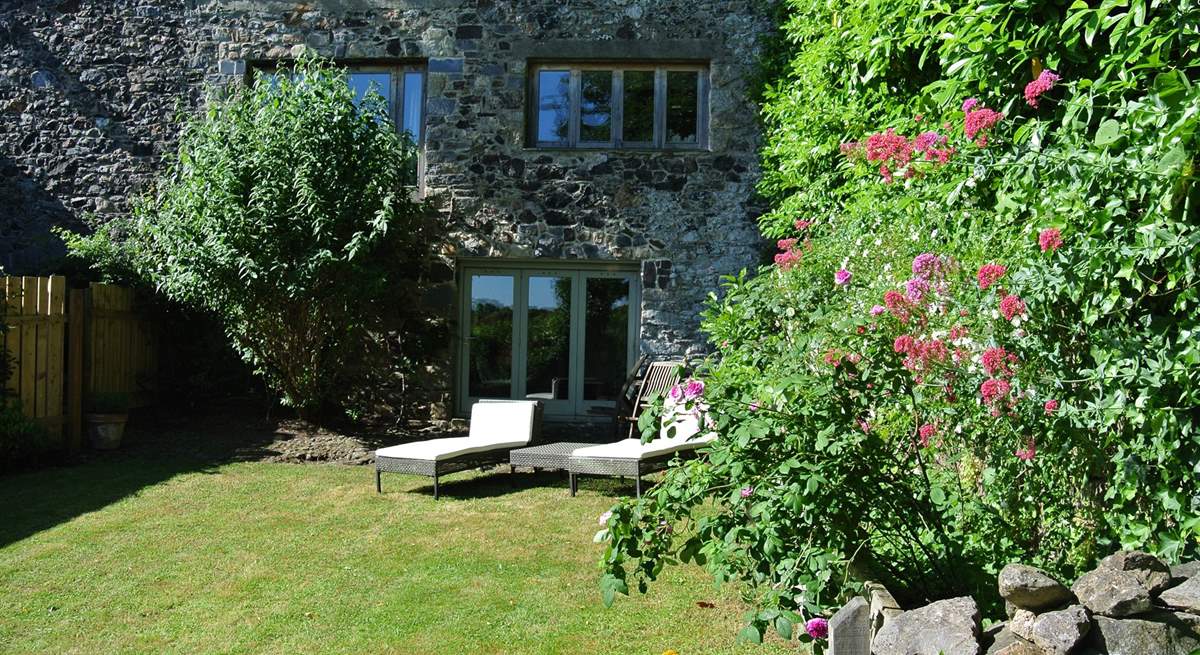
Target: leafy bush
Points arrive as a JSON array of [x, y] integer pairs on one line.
[[886, 408], [287, 212]]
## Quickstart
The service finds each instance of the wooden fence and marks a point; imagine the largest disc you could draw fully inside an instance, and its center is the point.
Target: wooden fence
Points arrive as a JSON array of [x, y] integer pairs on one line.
[[67, 344]]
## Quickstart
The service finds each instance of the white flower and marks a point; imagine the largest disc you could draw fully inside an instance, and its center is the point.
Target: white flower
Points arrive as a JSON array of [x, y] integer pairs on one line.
[[879, 242], [995, 314]]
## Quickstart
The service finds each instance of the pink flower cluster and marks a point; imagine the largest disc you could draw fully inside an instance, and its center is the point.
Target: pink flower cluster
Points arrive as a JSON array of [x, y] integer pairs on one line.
[[1050, 407], [1050, 239], [1011, 307], [996, 361], [1028, 452], [988, 275], [925, 433], [791, 254], [994, 390], [921, 355], [976, 122], [817, 628], [1035, 89], [842, 277], [898, 305], [930, 267]]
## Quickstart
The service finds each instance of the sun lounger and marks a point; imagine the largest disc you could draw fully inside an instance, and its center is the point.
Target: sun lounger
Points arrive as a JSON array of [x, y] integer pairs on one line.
[[632, 458], [496, 428]]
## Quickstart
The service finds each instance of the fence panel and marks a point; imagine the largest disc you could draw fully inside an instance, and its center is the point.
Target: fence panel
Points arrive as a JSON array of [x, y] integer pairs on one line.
[[36, 316], [114, 348]]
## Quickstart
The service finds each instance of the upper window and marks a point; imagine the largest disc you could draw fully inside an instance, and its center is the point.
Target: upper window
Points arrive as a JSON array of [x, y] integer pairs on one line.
[[628, 106], [402, 89]]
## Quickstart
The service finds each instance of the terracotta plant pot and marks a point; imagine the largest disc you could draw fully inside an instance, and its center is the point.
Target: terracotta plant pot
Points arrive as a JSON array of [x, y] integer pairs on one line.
[[105, 430]]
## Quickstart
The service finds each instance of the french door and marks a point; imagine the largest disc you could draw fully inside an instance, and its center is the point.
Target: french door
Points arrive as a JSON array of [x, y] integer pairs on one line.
[[565, 336]]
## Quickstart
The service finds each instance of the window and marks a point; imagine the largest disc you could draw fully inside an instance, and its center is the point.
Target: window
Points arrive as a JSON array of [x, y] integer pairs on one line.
[[627, 106], [563, 335], [402, 88]]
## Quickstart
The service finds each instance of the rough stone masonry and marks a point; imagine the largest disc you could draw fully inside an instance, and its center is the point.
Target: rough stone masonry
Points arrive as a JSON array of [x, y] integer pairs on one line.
[[89, 91]]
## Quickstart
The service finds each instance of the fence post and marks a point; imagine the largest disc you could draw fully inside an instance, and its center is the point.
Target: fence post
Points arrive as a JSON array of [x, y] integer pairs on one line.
[[76, 324]]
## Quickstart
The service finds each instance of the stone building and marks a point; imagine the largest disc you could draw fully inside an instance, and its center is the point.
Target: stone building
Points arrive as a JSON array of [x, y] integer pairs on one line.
[[594, 160]]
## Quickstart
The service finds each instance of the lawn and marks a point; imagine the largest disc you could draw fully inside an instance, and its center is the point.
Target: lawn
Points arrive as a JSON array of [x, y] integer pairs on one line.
[[163, 554]]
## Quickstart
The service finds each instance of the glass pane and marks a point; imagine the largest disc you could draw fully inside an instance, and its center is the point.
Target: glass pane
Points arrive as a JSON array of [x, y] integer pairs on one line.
[[606, 340], [595, 108], [554, 106], [380, 83], [638, 124], [413, 93], [490, 359], [548, 359], [682, 91]]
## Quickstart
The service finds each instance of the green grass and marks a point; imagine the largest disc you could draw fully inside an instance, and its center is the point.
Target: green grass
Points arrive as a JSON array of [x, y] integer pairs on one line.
[[140, 554]]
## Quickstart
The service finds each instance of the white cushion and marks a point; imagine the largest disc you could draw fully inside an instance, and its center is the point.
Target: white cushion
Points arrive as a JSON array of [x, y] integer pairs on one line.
[[495, 425], [686, 438], [503, 421], [438, 450]]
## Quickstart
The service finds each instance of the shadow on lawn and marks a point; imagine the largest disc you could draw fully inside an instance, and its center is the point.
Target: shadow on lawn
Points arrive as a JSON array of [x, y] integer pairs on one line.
[[158, 446], [500, 483]]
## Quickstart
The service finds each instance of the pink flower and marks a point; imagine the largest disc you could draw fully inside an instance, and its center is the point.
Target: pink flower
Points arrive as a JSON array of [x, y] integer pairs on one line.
[[927, 140], [1050, 239], [978, 121], [891, 150], [817, 628], [969, 104], [1027, 453], [842, 277], [928, 266], [898, 305], [989, 273], [1011, 307], [754, 406], [926, 432], [786, 260], [903, 344], [675, 394], [996, 360], [786, 244], [693, 389], [1051, 406], [877, 310], [802, 224], [747, 491], [1044, 82], [994, 389], [915, 289]]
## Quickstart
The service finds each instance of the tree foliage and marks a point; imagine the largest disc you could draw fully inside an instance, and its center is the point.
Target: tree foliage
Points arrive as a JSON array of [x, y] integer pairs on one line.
[[822, 405], [289, 213]]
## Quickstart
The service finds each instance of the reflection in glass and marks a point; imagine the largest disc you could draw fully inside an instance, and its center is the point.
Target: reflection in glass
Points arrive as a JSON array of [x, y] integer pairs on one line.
[[554, 106], [413, 94], [638, 122], [379, 82], [491, 341], [606, 340], [548, 358], [595, 110], [682, 94]]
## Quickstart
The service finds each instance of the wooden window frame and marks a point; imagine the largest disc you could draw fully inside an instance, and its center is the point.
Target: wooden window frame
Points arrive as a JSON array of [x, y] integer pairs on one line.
[[617, 106], [399, 72]]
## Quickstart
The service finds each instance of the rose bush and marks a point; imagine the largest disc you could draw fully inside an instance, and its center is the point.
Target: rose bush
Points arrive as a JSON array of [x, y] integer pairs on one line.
[[976, 343]]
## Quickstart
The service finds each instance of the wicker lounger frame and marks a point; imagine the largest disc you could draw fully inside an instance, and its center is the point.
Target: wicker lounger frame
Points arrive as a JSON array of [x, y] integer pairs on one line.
[[623, 467], [435, 469]]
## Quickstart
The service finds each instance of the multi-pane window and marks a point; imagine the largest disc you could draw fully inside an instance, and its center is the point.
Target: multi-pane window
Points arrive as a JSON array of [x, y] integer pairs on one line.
[[401, 87], [627, 106]]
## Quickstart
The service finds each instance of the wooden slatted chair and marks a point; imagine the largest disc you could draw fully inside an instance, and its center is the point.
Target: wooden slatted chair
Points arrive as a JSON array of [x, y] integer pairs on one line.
[[659, 377]]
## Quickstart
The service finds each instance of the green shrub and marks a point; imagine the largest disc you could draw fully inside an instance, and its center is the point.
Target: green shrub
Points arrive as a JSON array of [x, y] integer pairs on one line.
[[865, 448], [288, 213]]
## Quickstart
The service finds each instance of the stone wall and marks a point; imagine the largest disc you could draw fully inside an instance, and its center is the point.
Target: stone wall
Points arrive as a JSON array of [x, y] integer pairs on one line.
[[1132, 603], [88, 90]]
